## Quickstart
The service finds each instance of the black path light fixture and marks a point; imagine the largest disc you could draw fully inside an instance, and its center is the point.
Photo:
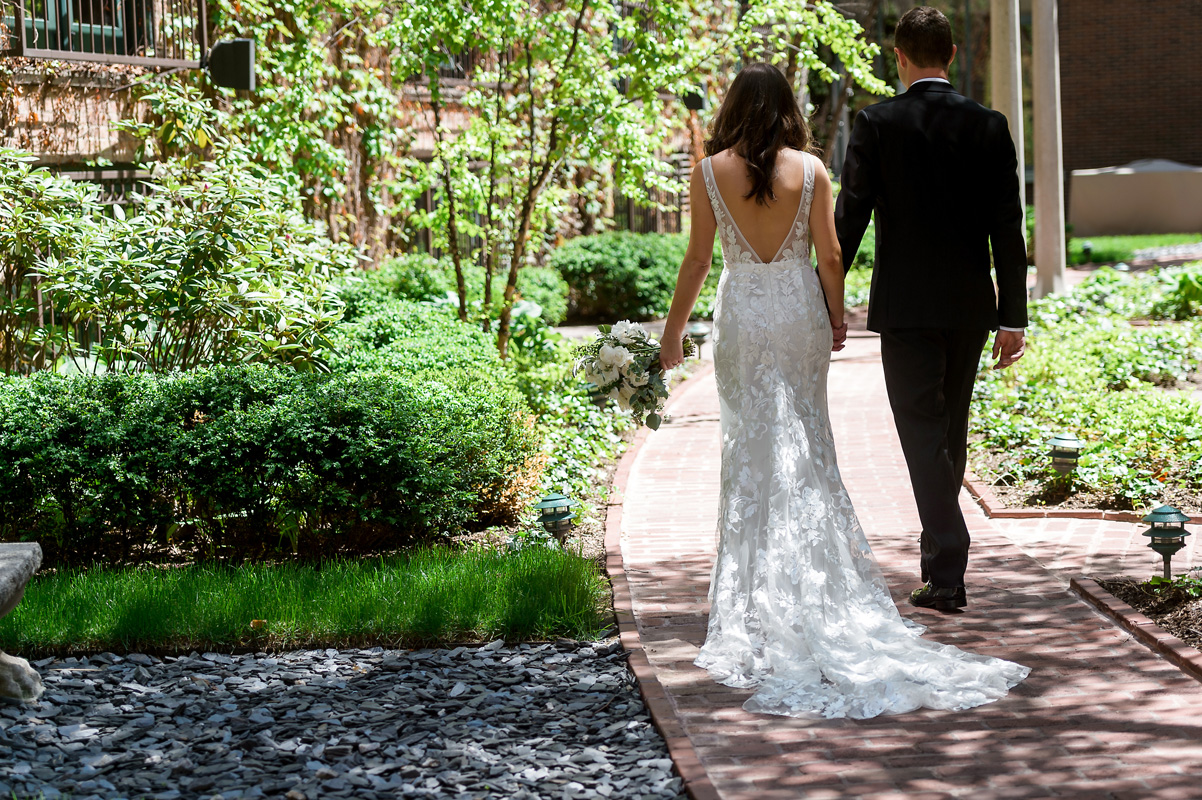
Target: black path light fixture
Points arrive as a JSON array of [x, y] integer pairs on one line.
[[698, 331], [596, 396], [694, 100], [556, 514], [1166, 534], [231, 63], [1066, 448]]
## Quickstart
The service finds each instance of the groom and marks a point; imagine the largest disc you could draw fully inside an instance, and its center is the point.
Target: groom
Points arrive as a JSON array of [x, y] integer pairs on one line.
[[940, 173]]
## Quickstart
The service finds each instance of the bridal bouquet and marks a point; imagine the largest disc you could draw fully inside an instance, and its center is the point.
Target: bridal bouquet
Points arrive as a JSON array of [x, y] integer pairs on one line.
[[623, 363]]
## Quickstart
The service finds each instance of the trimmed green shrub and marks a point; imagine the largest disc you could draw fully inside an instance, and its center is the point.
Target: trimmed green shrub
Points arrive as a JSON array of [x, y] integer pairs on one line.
[[620, 275], [411, 338], [420, 277], [254, 461]]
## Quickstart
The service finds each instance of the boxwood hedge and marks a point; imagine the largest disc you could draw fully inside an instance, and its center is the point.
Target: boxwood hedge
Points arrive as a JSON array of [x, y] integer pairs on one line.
[[419, 277], [255, 461], [621, 275]]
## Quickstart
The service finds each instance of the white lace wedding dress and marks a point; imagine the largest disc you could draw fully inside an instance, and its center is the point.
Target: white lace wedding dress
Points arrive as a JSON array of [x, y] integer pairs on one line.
[[799, 608]]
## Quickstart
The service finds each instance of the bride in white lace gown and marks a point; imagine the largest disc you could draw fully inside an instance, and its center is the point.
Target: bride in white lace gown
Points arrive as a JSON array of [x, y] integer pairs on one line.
[[799, 608]]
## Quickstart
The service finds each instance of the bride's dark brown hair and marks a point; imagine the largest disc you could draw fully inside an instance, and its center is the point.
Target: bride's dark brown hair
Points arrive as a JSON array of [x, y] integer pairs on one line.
[[759, 117]]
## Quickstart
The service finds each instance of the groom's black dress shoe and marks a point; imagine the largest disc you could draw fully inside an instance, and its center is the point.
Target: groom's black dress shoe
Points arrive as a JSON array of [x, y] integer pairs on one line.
[[940, 598]]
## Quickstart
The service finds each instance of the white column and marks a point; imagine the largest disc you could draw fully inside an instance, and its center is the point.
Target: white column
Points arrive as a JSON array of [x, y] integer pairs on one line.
[[1049, 155], [1006, 78]]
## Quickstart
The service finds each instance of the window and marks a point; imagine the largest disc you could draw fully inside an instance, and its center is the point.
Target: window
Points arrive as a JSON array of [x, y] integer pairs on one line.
[[155, 33]]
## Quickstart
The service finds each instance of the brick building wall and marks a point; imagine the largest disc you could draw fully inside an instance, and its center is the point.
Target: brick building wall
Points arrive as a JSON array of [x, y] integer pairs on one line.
[[1131, 81]]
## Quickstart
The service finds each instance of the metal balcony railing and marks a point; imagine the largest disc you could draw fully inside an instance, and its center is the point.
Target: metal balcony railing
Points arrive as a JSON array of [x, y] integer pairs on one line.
[[151, 33]]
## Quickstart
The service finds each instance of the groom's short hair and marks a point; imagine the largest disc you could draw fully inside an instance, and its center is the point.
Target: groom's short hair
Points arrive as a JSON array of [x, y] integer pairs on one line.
[[925, 36]]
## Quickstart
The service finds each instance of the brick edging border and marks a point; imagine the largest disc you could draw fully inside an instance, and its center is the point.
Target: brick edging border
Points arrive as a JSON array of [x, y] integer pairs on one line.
[[663, 714], [994, 509], [1181, 655]]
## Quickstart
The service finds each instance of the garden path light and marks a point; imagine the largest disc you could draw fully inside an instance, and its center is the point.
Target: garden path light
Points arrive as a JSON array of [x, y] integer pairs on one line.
[[1066, 448], [1166, 534], [556, 514]]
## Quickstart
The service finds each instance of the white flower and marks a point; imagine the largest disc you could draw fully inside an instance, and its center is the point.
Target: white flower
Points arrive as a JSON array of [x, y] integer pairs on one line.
[[615, 356], [625, 392], [639, 379], [628, 332], [606, 376]]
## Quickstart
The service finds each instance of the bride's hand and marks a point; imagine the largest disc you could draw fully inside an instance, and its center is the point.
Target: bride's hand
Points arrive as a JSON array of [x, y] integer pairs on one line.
[[671, 352], [839, 336]]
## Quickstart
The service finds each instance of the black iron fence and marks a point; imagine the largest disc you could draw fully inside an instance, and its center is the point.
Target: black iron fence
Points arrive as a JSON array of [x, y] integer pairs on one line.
[[152, 33], [635, 215], [118, 185]]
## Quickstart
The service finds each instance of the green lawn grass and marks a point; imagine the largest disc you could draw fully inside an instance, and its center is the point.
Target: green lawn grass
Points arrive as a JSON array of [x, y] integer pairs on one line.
[[1111, 249], [428, 596]]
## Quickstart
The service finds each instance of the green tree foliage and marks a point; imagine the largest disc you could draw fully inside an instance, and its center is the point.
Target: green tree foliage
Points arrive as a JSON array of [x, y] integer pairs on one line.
[[354, 94], [571, 89]]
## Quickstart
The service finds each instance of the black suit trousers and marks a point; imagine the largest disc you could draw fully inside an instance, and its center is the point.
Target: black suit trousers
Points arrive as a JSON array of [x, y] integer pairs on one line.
[[929, 375]]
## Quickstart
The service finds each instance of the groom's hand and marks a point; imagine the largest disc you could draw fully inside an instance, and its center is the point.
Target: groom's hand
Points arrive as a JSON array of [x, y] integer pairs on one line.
[[1008, 347]]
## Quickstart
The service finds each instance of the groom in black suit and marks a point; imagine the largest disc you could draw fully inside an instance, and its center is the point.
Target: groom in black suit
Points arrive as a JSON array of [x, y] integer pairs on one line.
[[941, 175]]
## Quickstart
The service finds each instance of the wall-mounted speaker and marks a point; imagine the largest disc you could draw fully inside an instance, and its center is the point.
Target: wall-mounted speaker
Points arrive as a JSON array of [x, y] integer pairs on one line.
[[232, 64]]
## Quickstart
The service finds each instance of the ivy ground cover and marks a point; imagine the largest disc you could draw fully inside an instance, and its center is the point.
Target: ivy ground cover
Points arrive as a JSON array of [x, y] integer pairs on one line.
[[1115, 362]]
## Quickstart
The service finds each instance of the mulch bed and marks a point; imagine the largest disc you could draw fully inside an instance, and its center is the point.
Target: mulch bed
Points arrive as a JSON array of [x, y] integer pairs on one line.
[[1030, 494], [1172, 609]]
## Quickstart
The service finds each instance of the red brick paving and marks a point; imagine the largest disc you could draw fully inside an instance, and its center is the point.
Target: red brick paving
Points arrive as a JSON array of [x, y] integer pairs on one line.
[[1100, 717]]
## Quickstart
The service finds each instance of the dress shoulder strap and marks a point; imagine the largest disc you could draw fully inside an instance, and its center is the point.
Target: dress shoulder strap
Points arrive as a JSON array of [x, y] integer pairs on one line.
[[807, 197], [711, 188]]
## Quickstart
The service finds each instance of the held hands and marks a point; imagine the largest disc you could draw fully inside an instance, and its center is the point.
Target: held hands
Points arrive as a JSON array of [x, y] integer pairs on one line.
[[671, 352], [1008, 347], [839, 336]]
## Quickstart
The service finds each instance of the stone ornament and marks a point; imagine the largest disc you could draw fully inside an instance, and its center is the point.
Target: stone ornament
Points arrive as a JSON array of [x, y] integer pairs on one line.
[[18, 561]]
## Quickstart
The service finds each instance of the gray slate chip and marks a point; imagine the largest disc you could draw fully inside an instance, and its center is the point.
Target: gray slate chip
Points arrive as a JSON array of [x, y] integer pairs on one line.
[[527, 722]]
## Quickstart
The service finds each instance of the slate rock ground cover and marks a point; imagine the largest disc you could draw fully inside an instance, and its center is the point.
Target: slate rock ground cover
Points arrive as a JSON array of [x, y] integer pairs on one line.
[[561, 720]]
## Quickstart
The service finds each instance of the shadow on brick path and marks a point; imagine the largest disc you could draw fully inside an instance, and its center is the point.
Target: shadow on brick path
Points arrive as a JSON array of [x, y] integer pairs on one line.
[[1100, 717]]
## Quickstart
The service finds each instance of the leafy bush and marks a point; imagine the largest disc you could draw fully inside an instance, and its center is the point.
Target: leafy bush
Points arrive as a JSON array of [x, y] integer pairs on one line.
[[215, 263], [857, 286], [420, 277], [252, 461], [1089, 371], [620, 275], [1184, 299], [866, 253]]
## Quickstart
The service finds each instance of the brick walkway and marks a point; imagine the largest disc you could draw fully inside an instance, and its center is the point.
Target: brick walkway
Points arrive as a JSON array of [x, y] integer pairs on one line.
[[1100, 716]]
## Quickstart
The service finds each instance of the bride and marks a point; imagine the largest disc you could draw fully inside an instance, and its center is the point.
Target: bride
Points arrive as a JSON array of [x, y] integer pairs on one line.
[[799, 608]]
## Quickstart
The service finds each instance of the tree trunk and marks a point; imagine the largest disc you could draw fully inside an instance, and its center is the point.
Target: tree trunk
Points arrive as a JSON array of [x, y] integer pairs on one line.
[[535, 188], [832, 128], [452, 228]]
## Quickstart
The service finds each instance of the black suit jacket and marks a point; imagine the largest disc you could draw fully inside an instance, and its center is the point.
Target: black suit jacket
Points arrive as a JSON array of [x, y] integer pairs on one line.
[[940, 172]]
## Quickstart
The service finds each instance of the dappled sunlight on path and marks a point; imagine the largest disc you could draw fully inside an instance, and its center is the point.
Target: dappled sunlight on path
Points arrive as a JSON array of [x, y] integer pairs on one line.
[[1100, 716]]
